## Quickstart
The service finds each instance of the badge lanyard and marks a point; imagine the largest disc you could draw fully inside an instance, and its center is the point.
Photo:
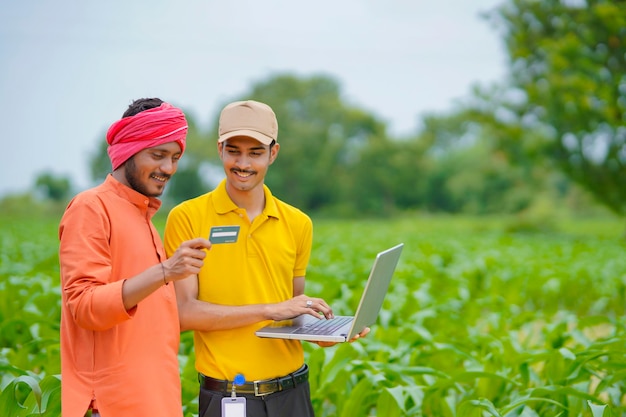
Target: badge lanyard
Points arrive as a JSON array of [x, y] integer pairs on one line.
[[234, 406]]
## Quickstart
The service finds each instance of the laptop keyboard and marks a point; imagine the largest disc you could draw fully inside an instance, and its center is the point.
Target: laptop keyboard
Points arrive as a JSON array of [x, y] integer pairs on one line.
[[324, 327]]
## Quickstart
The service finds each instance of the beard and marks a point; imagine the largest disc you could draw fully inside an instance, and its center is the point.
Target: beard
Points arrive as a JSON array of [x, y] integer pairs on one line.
[[132, 177]]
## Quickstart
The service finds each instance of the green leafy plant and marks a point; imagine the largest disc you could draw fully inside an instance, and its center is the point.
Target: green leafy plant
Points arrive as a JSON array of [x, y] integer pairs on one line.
[[478, 321], [27, 396]]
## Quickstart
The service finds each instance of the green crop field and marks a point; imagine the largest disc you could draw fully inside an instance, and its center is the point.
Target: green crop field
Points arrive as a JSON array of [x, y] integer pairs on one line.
[[484, 317]]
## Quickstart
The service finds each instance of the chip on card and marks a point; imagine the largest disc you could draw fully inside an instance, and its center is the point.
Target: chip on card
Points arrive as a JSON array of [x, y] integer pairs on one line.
[[224, 234]]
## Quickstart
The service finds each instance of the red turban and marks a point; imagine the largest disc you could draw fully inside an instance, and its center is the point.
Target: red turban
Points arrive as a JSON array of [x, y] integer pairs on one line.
[[146, 129]]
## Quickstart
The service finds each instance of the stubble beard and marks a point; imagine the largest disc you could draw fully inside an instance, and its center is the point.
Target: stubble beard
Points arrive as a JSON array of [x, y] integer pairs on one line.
[[133, 180]]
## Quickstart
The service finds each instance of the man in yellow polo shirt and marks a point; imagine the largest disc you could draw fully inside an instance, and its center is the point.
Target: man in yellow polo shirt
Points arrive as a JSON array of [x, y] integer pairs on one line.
[[245, 284]]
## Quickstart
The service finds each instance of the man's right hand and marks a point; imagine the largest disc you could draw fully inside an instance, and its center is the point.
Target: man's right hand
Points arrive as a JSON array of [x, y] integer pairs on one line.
[[302, 304], [187, 260]]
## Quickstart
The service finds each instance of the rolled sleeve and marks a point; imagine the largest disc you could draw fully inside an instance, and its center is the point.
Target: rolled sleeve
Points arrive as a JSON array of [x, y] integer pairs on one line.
[[98, 307]]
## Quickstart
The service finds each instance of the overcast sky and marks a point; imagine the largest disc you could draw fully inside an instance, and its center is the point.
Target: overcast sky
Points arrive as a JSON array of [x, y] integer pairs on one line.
[[68, 69]]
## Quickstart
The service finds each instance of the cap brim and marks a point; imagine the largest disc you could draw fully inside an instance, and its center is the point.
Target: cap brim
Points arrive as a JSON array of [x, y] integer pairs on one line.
[[265, 140]]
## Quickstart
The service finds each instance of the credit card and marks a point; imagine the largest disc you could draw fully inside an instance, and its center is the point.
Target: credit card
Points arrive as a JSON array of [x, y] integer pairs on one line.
[[223, 234]]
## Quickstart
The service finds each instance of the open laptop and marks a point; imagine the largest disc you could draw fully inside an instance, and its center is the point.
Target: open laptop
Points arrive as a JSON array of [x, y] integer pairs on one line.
[[342, 328]]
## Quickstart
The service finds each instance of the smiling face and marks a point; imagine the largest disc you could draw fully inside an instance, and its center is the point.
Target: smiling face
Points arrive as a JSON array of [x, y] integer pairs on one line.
[[246, 162], [150, 169]]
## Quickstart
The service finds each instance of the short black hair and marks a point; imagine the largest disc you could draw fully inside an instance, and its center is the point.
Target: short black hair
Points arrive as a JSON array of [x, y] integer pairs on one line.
[[142, 104]]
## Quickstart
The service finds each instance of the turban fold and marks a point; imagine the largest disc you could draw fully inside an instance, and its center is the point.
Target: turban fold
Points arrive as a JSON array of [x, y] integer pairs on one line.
[[146, 129]]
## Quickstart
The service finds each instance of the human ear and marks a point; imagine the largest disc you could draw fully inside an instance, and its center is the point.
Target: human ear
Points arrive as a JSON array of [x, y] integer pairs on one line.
[[274, 152]]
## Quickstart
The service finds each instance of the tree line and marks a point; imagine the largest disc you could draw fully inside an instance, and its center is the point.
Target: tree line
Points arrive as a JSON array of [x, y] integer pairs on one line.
[[553, 127]]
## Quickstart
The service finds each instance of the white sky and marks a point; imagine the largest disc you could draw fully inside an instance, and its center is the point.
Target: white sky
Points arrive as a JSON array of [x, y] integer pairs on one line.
[[68, 69]]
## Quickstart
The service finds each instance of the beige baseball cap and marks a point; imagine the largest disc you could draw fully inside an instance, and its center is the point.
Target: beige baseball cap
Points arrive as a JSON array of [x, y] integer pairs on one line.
[[248, 118]]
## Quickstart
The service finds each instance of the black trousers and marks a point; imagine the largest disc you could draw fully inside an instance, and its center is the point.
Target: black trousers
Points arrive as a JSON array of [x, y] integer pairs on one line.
[[292, 402]]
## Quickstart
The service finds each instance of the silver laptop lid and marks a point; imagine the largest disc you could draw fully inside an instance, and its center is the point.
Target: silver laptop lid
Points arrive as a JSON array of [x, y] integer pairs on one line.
[[375, 289]]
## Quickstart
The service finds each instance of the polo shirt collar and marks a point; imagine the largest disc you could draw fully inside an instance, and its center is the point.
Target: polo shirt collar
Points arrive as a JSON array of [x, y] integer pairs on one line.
[[223, 203]]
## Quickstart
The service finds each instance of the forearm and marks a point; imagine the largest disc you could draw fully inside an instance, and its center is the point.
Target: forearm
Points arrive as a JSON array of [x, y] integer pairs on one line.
[[142, 285], [203, 316]]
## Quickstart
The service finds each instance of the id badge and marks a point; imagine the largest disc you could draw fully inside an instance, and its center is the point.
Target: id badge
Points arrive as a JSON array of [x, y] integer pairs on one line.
[[223, 234], [234, 407]]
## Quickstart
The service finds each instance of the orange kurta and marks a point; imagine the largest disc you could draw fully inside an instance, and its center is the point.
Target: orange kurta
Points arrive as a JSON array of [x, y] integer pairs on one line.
[[125, 360]]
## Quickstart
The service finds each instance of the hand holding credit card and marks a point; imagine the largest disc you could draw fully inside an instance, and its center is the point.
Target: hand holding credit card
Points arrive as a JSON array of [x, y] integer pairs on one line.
[[223, 234]]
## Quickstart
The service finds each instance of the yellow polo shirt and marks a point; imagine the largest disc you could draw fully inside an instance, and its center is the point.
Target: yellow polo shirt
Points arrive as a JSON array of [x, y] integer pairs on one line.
[[258, 268]]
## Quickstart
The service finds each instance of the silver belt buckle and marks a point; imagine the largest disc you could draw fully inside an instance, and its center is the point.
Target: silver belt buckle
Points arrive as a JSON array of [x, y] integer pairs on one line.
[[256, 389], [256, 384]]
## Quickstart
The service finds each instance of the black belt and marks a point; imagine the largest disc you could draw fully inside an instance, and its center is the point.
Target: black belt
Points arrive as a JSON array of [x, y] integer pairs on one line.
[[258, 388]]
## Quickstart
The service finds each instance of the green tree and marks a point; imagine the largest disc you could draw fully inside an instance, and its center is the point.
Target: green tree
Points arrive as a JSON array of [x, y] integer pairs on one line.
[[54, 187], [568, 59], [99, 162], [466, 169]]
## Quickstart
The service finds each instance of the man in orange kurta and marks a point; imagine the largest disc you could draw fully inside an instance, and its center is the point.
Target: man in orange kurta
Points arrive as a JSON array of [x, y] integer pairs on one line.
[[119, 321]]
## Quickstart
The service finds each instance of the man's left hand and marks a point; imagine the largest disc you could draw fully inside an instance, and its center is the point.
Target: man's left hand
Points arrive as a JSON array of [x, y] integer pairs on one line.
[[358, 336]]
